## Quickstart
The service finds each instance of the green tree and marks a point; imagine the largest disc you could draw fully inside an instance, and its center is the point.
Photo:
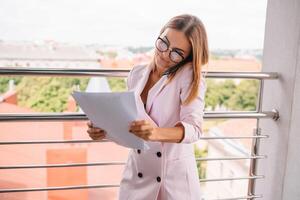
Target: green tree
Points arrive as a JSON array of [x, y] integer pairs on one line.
[[212, 94], [116, 84], [235, 97], [225, 90], [50, 94], [245, 96], [201, 166], [4, 82], [47, 94]]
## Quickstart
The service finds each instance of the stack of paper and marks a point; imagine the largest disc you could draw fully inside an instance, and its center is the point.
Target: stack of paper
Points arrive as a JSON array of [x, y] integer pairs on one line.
[[112, 112]]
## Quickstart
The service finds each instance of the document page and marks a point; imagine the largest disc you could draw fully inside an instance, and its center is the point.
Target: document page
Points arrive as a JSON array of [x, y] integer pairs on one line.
[[112, 112]]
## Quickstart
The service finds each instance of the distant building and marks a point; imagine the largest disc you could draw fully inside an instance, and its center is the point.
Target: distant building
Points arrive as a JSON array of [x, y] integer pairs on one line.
[[47, 54], [51, 54]]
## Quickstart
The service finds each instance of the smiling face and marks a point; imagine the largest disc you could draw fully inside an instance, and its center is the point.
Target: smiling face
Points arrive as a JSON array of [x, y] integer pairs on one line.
[[177, 42]]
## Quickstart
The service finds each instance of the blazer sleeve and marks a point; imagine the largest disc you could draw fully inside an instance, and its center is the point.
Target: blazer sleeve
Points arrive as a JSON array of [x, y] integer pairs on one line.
[[191, 115]]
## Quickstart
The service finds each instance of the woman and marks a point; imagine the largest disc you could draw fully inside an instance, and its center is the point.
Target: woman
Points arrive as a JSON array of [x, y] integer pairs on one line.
[[170, 94]]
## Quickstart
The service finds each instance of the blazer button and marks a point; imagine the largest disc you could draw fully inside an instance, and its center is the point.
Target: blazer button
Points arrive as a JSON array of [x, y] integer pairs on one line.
[[139, 151], [158, 154], [140, 175], [158, 179]]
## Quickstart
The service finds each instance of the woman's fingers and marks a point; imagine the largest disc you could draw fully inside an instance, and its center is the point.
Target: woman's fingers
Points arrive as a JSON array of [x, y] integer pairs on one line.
[[141, 128], [96, 129], [90, 124], [141, 125], [96, 135], [139, 122], [94, 132], [142, 134]]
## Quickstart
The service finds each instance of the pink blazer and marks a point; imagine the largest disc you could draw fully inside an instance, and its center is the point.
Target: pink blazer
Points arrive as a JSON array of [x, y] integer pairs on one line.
[[167, 170]]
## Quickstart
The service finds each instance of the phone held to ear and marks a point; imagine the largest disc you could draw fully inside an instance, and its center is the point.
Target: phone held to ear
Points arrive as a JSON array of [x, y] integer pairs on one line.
[[173, 69]]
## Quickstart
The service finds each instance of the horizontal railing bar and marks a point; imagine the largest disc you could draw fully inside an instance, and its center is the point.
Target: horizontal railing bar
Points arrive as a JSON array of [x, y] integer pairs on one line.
[[59, 188], [231, 158], [231, 179], [62, 165], [242, 75], [107, 72], [77, 116], [237, 198], [231, 137], [51, 59], [113, 163], [102, 72], [108, 186], [53, 142], [240, 115], [42, 117], [104, 140]]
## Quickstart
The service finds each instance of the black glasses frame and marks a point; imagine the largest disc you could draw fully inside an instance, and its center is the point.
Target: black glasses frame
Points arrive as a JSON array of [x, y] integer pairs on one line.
[[168, 47]]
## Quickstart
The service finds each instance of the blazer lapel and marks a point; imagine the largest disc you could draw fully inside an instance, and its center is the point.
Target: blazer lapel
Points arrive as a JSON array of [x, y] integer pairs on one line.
[[154, 91], [142, 114], [143, 80]]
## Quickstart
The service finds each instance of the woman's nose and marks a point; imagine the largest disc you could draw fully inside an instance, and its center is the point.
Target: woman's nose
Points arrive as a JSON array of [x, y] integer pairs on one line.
[[165, 54]]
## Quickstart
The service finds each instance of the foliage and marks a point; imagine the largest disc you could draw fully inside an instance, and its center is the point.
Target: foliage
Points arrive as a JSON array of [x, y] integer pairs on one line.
[[47, 94], [234, 97], [201, 166], [50, 94], [117, 84], [4, 82], [245, 97]]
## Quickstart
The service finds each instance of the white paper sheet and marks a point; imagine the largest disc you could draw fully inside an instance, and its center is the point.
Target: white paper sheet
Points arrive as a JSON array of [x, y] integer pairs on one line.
[[112, 112]]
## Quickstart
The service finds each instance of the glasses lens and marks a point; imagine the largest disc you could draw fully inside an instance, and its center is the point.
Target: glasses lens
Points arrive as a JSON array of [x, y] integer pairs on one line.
[[175, 57], [161, 45]]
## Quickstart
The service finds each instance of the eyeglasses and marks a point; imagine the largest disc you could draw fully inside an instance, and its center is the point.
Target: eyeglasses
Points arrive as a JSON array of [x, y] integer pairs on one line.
[[163, 46]]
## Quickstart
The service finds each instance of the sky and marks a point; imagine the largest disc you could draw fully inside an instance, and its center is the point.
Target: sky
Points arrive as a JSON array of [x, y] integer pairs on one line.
[[230, 24]]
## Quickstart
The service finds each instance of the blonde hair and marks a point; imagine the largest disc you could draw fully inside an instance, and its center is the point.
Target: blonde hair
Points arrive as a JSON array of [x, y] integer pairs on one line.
[[195, 32]]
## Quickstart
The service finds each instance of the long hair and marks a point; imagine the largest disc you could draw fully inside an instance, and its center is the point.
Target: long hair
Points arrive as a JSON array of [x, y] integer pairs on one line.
[[195, 32]]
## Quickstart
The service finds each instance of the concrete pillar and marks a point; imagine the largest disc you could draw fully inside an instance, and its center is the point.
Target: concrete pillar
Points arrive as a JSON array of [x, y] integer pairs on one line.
[[282, 55]]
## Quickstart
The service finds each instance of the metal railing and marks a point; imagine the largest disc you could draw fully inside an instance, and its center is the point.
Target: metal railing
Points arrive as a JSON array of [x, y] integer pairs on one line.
[[258, 114], [50, 59]]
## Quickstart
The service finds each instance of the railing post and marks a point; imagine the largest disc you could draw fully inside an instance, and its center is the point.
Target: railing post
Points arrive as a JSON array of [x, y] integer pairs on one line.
[[253, 162], [255, 141]]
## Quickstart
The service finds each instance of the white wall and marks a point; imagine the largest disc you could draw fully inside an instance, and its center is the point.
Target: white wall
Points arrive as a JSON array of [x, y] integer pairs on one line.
[[282, 55]]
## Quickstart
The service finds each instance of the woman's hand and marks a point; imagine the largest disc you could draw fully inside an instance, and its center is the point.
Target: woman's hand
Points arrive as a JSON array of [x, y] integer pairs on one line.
[[144, 130], [95, 133]]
